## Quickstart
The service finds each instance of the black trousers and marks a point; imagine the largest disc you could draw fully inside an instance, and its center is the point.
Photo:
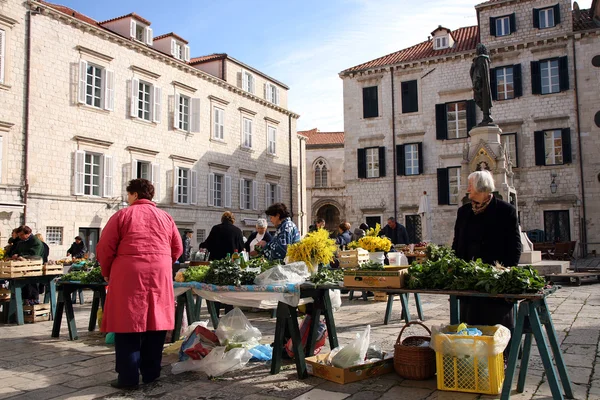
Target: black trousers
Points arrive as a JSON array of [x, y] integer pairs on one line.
[[139, 352]]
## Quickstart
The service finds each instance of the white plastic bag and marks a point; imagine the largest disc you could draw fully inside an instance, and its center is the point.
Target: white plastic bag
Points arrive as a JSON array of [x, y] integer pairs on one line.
[[193, 326], [216, 363], [336, 299], [296, 272], [355, 352], [234, 327], [470, 346]]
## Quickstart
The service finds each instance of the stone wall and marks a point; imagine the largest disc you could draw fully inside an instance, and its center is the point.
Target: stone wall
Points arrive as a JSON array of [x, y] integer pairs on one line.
[[334, 193]]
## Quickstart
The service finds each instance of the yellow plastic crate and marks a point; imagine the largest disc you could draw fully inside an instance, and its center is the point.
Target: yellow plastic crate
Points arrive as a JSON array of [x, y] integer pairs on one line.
[[471, 374]]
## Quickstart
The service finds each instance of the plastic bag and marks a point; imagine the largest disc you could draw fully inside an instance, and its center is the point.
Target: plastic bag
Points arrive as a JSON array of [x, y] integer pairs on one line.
[[173, 348], [336, 299], [99, 316], [445, 340], [193, 326], [198, 344], [216, 363], [110, 338], [355, 352], [304, 330], [234, 327], [262, 352], [296, 272]]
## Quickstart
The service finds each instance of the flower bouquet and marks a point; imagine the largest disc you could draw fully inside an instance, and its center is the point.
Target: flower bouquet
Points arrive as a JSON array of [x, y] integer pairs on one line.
[[316, 248]]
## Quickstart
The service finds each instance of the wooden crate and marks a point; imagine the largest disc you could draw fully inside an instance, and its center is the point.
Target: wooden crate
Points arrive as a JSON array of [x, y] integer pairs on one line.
[[380, 296], [353, 258], [19, 269], [56, 269], [4, 294], [37, 313]]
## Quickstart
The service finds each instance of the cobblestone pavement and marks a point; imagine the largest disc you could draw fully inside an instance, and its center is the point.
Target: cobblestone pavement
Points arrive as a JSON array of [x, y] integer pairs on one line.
[[35, 366]]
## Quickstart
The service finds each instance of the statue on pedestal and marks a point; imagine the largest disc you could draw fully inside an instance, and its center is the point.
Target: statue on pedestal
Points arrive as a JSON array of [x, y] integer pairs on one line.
[[482, 91]]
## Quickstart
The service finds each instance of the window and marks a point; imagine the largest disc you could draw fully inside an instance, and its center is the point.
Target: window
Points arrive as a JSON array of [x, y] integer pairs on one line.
[[247, 133], [248, 194], [370, 102], [183, 113], [502, 26], [409, 159], [144, 170], [448, 180], [457, 120], [180, 51], [272, 140], [186, 113], [441, 42], [177, 51], [557, 226], [2, 53], [371, 162], [93, 174], [320, 174], [272, 194], [553, 147], [247, 82], [219, 123], [200, 235], [147, 170], [413, 227], [91, 185], [219, 190], [546, 17], [550, 76], [272, 93], [140, 32], [93, 90], [509, 141], [54, 235], [410, 97], [372, 221], [504, 83], [145, 101], [454, 184], [185, 187]]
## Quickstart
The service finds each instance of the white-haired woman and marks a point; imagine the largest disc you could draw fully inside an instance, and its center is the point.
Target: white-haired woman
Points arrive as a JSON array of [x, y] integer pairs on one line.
[[260, 234]]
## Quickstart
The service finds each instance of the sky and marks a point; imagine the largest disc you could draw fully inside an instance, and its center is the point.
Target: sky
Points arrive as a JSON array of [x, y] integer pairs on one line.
[[304, 44]]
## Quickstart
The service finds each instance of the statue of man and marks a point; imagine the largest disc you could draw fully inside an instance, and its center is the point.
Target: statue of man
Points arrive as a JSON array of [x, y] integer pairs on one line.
[[480, 76]]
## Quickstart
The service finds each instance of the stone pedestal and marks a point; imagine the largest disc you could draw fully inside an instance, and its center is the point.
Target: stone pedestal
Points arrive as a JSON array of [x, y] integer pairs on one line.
[[547, 267], [530, 257]]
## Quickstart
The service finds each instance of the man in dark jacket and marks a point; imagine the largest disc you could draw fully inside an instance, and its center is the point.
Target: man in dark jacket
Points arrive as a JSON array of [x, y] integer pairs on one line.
[[187, 246], [77, 249], [394, 231], [28, 245], [487, 228], [224, 238]]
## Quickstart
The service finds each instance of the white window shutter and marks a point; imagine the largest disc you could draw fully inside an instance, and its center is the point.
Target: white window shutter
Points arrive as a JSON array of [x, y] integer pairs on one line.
[[82, 81], [267, 194], [194, 188], [135, 87], [227, 191], [79, 168], [107, 188], [186, 53], [134, 168], [109, 90], [157, 108], [278, 194], [195, 125], [254, 195], [211, 189], [175, 185], [173, 47], [251, 83], [276, 100], [242, 194], [2, 52], [245, 82], [176, 112], [149, 37], [156, 181], [267, 92], [132, 29], [1, 152]]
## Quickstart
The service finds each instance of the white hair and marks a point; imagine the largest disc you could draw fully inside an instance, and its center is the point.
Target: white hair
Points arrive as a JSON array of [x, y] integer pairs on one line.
[[261, 223], [483, 181]]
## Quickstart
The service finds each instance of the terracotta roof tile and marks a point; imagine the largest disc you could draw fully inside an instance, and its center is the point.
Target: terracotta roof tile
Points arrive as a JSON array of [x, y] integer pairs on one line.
[[585, 21], [130, 15], [315, 137], [72, 13], [465, 40], [210, 57], [173, 34]]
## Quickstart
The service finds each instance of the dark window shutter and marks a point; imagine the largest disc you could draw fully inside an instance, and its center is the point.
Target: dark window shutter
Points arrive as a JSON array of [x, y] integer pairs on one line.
[[410, 97], [516, 162], [557, 14], [563, 73], [471, 115], [370, 103], [517, 80], [540, 148], [362, 163], [536, 78], [443, 186], [566, 146], [441, 123], [400, 170], [420, 149], [494, 83], [492, 26], [536, 18], [381, 162], [513, 22]]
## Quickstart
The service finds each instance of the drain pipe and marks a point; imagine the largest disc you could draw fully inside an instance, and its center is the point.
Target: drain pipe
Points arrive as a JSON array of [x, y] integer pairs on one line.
[[291, 167], [394, 145]]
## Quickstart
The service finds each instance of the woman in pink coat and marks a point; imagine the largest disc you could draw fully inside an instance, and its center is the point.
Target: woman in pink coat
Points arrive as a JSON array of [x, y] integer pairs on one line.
[[137, 249]]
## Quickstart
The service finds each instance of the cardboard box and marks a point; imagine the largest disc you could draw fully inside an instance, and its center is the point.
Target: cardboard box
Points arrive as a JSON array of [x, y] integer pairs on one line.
[[347, 375], [375, 279]]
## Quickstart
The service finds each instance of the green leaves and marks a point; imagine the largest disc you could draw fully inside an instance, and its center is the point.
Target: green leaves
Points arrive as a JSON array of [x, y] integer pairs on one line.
[[325, 275]]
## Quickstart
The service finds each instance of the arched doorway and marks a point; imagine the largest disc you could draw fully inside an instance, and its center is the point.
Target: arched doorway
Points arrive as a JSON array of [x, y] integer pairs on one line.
[[331, 215]]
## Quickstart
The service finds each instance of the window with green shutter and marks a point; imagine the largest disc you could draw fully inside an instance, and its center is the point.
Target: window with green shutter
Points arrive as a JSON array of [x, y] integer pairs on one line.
[[370, 102]]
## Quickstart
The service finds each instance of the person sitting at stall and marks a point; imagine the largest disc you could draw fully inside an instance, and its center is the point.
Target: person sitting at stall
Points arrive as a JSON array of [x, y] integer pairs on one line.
[[286, 234], [360, 232], [224, 238], [394, 231], [77, 249], [260, 234], [29, 247], [344, 237]]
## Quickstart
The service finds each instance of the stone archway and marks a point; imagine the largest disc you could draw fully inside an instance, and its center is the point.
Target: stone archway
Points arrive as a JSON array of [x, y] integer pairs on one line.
[[331, 215]]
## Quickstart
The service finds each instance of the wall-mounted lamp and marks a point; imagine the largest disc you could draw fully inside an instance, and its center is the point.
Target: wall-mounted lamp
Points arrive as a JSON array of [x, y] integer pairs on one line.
[[553, 184]]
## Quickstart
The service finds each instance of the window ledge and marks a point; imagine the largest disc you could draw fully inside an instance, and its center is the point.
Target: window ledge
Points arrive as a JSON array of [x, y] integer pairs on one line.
[[4, 86], [272, 155], [93, 109], [143, 121], [248, 149], [379, 117], [219, 141], [182, 132]]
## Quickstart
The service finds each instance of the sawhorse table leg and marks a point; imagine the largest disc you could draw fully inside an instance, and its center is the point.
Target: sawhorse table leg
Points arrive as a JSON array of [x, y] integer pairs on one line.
[[288, 317], [60, 307], [405, 315]]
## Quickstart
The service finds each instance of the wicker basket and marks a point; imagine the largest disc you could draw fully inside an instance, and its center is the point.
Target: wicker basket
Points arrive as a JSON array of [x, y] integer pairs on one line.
[[411, 361]]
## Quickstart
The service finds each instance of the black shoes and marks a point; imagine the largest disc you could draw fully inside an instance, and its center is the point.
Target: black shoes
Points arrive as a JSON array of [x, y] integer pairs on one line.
[[118, 385]]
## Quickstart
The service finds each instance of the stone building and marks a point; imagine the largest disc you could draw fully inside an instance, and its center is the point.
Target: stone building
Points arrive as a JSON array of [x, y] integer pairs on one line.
[[110, 101], [407, 116], [325, 188]]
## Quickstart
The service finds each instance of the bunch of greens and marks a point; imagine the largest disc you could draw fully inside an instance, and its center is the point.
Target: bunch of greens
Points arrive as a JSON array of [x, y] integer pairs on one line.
[[196, 273], [326, 275], [93, 276], [435, 252], [262, 263], [247, 277], [371, 266], [75, 276], [223, 273]]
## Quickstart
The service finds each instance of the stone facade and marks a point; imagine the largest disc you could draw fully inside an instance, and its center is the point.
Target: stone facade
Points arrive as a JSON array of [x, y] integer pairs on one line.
[[444, 78], [65, 134]]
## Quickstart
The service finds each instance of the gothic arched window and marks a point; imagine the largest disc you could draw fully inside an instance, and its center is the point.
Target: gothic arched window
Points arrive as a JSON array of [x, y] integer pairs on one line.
[[320, 174]]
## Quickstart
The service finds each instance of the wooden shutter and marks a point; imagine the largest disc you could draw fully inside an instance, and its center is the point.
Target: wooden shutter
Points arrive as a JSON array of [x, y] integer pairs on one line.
[[195, 117], [149, 36], [536, 18], [536, 78], [381, 162], [254, 195], [227, 196], [420, 150], [2, 54], [79, 169], [443, 186], [176, 101], [109, 90], [471, 115], [362, 163], [83, 65], [540, 148], [175, 185], [370, 102], [566, 146], [134, 168], [186, 53], [242, 202], [517, 80], [410, 97], [135, 87], [513, 22], [211, 190], [494, 83], [156, 181], [556, 14], [193, 187], [492, 26], [157, 106], [251, 83], [268, 201], [276, 100], [107, 187], [441, 123], [278, 194], [132, 29], [400, 166], [563, 73], [267, 92]]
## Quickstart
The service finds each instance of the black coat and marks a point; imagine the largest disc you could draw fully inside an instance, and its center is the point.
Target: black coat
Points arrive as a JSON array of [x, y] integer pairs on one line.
[[222, 239], [397, 236], [46, 252], [492, 235], [267, 238], [77, 250]]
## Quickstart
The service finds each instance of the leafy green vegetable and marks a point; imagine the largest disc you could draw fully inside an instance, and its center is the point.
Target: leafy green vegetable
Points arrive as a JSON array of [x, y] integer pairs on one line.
[[196, 273], [223, 273], [74, 276], [94, 276], [371, 266], [326, 275], [262, 263]]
